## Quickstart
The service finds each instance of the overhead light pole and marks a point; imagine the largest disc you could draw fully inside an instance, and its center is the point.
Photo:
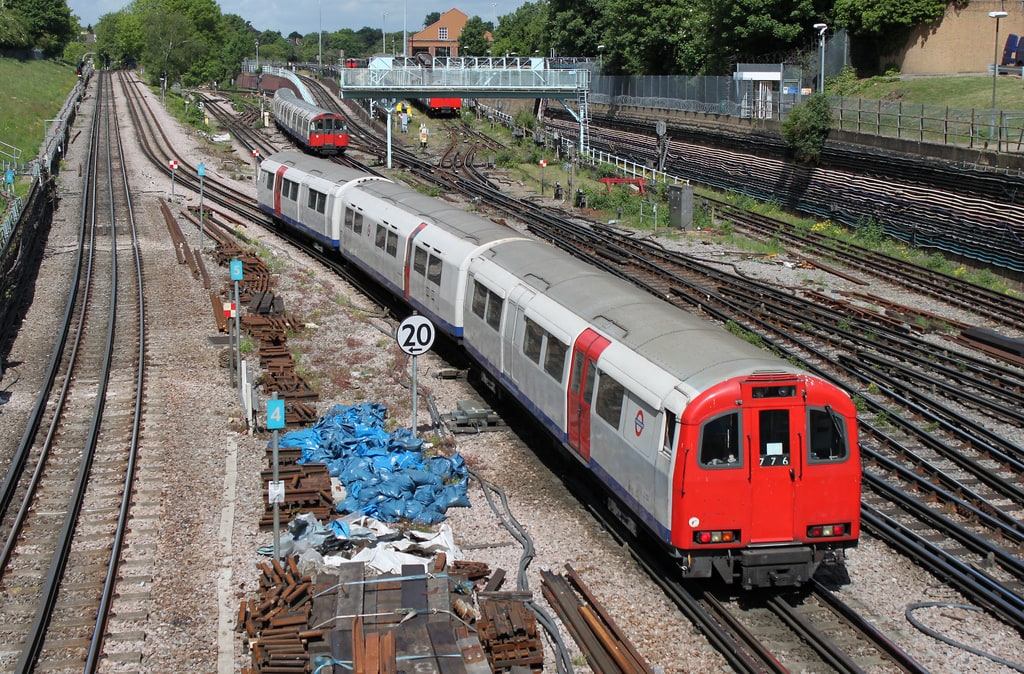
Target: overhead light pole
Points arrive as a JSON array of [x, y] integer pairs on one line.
[[383, 32], [600, 58], [995, 70], [320, 55], [405, 29], [257, 56], [822, 28]]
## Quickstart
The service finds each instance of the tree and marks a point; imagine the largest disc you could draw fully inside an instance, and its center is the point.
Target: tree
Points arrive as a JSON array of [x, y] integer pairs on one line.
[[806, 127], [119, 36], [473, 39], [523, 31], [431, 18], [49, 23], [646, 38], [576, 27]]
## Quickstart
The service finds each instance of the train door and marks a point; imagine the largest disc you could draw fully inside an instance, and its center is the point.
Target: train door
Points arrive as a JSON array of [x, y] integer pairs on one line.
[[582, 374], [279, 179], [774, 445], [518, 298]]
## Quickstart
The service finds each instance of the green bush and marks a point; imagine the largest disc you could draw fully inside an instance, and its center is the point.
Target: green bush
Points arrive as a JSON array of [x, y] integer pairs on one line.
[[807, 127]]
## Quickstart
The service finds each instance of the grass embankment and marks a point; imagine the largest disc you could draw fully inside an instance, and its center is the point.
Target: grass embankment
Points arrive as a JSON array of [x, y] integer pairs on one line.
[[957, 91], [35, 92]]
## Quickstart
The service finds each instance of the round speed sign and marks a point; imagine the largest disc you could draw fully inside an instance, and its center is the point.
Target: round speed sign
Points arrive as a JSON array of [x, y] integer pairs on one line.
[[415, 335]]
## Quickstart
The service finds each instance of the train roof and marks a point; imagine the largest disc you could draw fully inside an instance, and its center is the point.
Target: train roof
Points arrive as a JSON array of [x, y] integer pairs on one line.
[[689, 346], [321, 168], [462, 223], [288, 96]]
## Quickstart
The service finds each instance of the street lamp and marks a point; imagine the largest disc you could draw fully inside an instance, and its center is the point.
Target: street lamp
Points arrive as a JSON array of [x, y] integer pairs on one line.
[[320, 54], [383, 26], [257, 56], [600, 58], [995, 70], [821, 28]]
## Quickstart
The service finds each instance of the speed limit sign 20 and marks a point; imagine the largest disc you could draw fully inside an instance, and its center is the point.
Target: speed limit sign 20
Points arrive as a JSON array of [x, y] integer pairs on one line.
[[415, 335]]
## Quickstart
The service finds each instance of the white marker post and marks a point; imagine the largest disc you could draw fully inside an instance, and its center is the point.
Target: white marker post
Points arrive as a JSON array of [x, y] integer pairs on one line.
[[256, 157], [237, 275], [174, 167], [275, 490], [415, 335]]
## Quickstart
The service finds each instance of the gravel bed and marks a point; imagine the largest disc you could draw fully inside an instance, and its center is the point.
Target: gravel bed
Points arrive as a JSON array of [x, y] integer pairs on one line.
[[209, 497]]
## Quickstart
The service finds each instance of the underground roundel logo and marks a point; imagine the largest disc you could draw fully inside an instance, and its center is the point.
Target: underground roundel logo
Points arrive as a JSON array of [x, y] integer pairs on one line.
[[638, 422]]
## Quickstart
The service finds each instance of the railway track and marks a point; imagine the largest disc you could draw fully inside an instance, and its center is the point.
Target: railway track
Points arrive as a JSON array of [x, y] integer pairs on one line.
[[610, 257], [71, 483]]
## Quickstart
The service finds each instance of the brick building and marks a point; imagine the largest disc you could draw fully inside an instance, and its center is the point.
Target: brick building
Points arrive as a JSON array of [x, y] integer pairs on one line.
[[963, 41], [440, 38]]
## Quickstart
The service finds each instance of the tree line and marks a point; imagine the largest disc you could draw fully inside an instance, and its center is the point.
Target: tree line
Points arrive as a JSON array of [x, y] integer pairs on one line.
[[193, 42]]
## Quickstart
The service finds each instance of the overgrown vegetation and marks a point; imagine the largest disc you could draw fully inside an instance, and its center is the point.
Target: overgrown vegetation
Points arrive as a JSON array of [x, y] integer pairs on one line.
[[806, 127]]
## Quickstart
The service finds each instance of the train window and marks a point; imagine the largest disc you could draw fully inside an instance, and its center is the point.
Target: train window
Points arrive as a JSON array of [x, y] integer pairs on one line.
[[774, 437], [494, 307], [479, 300], [533, 337], [554, 358], [434, 270], [828, 436], [609, 400], [317, 201], [577, 374], [289, 189], [588, 384], [668, 442], [381, 237], [357, 222], [419, 261], [720, 442], [269, 180], [487, 305], [391, 247]]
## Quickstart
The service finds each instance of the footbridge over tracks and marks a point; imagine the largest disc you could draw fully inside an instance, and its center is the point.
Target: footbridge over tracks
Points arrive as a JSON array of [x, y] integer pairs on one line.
[[392, 78]]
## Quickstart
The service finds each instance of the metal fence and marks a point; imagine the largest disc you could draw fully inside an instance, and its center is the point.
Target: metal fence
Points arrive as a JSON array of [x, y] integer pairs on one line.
[[997, 130]]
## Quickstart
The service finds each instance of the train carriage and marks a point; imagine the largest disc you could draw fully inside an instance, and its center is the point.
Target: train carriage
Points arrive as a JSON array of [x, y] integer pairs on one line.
[[315, 129], [742, 465]]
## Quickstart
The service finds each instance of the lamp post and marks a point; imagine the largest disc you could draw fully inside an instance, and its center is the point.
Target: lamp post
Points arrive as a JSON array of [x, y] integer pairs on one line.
[[600, 58], [821, 28], [257, 56], [320, 54], [995, 71], [405, 30], [383, 33]]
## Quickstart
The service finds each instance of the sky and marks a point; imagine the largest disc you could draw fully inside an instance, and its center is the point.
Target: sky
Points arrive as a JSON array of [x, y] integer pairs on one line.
[[309, 16]]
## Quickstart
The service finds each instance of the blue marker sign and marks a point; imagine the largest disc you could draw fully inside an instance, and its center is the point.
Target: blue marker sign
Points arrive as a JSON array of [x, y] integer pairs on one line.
[[9, 177], [201, 170], [275, 414], [236, 270]]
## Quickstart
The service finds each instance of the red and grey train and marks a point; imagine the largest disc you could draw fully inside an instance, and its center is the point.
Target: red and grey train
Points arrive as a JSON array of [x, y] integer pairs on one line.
[[315, 129], [441, 107], [742, 465]]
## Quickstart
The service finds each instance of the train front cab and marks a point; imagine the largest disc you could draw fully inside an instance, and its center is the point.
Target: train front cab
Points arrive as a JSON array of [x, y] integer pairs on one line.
[[768, 489], [328, 134]]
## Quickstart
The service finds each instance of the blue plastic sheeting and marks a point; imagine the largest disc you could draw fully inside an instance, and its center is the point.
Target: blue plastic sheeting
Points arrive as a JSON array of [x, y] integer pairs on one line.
[[386, 476]]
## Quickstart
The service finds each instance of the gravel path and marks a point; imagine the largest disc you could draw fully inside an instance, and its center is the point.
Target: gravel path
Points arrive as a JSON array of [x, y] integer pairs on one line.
[[203, 480]]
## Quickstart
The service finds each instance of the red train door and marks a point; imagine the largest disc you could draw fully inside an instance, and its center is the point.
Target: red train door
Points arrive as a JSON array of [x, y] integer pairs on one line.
[[585, 352], [278, 180], [774, 447]]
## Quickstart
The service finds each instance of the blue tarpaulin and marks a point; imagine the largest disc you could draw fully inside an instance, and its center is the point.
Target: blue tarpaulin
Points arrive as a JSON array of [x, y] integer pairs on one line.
[[386, 475]]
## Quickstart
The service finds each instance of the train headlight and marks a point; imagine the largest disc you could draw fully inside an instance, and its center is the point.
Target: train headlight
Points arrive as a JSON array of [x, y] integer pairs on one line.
[[716, 537], [827, 530]]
